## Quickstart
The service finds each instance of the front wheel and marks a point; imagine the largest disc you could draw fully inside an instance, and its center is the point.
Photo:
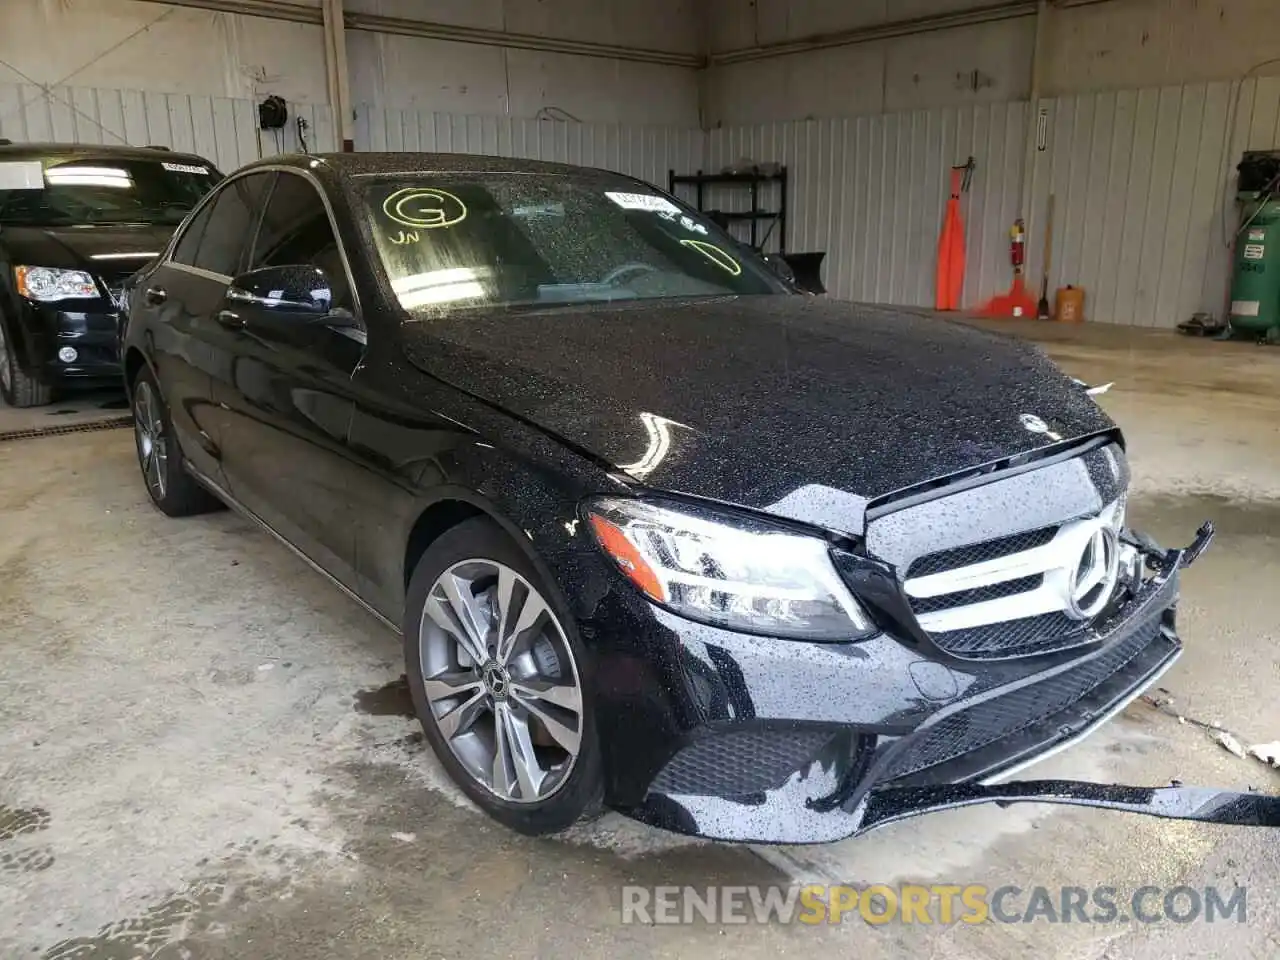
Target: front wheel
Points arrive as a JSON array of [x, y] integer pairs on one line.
[[500, 681], [172, 489], [16, 386]]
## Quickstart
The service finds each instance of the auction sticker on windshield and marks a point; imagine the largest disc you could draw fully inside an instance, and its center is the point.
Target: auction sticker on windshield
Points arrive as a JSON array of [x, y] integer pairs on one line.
[[642, 201], [185, 168], [22, 175]]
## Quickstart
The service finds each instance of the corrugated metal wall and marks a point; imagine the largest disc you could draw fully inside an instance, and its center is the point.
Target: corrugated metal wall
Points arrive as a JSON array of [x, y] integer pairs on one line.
[[641, 151], [870, 191], [1144, 185], [1143, 181], [220, 128], [225, 130]]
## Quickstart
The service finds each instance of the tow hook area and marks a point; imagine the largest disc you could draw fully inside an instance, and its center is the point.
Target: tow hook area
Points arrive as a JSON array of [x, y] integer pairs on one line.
[[1204, 537], [1169, 561]]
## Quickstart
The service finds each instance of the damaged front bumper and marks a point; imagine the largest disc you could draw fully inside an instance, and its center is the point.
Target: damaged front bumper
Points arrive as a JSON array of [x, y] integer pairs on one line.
[[849, 789]]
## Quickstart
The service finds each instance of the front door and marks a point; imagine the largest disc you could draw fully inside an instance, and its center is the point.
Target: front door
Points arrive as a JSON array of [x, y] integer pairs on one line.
[[286, 401]]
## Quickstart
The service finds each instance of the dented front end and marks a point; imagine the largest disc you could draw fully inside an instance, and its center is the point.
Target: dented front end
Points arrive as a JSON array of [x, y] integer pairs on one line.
[[996, 653]]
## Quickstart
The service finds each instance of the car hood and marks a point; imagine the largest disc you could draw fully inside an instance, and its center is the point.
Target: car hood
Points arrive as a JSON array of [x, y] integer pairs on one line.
[[109, 250], [800, 406]]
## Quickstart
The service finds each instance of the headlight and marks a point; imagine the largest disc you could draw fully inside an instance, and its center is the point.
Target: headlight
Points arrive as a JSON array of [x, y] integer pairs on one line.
[[752, 578], [52, 283]]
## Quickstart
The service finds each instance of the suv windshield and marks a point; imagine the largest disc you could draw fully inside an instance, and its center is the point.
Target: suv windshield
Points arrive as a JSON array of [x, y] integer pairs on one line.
[[104, 189], [527, 239]]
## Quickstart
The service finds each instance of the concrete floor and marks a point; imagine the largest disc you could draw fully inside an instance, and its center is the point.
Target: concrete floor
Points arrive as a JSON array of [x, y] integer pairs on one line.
[[72, 410], [204, 752]]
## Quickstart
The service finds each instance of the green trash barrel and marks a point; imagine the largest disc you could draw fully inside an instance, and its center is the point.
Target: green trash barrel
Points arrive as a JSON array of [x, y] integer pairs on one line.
[[1255, 281]]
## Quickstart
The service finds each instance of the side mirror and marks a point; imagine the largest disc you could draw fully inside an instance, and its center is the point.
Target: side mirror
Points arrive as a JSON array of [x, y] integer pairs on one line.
[[293, 291], [781, 269]]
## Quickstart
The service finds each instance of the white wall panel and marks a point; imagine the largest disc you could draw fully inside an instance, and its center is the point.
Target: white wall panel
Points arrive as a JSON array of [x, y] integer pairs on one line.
[[414, 73], [647, 152], [126, 44], [1138, 43], [223, 129], [1113, 45], [983, 64], [1143, 182], [870, 191]]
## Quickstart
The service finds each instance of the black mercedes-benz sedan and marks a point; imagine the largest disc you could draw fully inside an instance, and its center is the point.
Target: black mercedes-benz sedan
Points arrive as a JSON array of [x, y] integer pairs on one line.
[[660, 533], [75, 221]]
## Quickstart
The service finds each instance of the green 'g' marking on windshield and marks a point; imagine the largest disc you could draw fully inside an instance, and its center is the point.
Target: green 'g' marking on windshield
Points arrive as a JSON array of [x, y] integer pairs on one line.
[[715, 255], [424, 208]]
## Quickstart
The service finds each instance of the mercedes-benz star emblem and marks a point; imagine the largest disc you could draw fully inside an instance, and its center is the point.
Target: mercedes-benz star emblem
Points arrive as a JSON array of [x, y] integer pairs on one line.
[[496, 681], [1094, 578], [1033, 423]]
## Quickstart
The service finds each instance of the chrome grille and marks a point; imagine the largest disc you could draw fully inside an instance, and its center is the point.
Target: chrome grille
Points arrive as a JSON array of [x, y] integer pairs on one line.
[[1046, 571], [979, 552], [997, 571]]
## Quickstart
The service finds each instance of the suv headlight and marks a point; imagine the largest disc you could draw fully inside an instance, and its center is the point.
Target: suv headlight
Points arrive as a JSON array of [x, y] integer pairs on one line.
[[734, 574], [54, 283]]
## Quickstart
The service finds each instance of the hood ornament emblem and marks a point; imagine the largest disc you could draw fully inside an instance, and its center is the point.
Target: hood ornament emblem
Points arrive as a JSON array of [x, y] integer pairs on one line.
[[1095, 575], [1033, 424]]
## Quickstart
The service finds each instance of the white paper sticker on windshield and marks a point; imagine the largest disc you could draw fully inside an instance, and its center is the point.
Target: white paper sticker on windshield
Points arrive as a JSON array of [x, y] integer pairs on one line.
[[539, 210], [21, 175], [642, 201], [186, 168]]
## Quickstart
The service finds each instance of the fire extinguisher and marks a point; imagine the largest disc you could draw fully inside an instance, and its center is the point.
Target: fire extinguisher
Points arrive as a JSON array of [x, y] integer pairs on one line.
[[1018, 245]]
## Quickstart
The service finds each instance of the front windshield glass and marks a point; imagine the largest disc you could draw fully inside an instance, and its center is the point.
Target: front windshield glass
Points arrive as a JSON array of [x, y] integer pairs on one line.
[[85, 189], [531, 239]]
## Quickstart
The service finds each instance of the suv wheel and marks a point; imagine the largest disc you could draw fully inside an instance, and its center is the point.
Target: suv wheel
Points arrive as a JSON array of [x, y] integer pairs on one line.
[[172, 489], [500, 681], [17, 388]]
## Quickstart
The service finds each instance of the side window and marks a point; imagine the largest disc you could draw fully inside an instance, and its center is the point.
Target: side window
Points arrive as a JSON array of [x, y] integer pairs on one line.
[[296, 230], [230, 224], [189, 242]]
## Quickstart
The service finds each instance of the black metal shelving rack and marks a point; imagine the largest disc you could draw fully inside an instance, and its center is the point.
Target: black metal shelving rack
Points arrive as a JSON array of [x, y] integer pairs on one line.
[[752, 181]]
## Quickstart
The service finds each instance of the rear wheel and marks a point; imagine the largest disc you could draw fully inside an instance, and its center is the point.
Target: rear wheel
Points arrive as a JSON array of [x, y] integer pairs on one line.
[[17, 388], [172, 489], [500, 681]]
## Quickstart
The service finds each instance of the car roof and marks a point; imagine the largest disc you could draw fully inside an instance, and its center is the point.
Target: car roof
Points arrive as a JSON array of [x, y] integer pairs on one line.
[[374, 164], [50, 151]]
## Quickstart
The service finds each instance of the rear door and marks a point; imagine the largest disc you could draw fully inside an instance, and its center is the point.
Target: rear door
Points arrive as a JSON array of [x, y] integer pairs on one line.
[[183, 294], [285, 400]]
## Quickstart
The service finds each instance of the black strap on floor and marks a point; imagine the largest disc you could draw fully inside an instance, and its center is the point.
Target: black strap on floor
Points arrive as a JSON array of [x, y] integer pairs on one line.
[[112, 423]]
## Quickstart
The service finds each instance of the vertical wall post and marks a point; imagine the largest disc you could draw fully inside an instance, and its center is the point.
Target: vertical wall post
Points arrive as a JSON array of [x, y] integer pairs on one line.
[[335, 60], [1033, 107]]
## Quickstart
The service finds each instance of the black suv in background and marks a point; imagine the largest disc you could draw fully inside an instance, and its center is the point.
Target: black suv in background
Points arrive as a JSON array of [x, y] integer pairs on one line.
[[75, 221]]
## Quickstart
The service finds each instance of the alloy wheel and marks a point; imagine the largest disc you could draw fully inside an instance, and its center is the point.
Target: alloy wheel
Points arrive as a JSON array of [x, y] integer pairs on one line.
[[501, 681], [153, 447]]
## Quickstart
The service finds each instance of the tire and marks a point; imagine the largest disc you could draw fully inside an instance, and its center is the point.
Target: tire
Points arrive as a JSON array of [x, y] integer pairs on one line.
[[170, 487], [546, 657], [16, 386]]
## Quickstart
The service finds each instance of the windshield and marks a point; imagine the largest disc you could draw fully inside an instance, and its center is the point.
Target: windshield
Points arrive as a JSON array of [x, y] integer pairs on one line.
[[77, 190], [525, 239]]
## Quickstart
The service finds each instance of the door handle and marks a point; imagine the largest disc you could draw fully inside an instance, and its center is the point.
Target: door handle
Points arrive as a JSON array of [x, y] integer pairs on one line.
[[229, 319], [156, 296]]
